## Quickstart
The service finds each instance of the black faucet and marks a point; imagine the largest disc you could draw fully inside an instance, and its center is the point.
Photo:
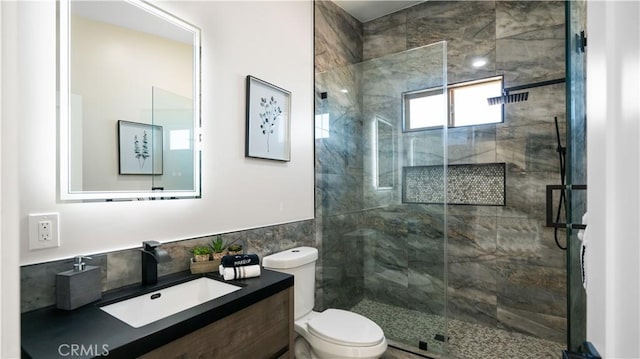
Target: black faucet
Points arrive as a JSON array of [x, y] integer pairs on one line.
[[152, 254]]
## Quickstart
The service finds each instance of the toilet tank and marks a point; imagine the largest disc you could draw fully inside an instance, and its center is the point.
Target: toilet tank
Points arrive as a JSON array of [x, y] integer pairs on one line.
[[301, 263]]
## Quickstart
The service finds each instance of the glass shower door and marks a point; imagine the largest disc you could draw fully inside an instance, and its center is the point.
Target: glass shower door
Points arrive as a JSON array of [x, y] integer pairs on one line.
[[382, 246], [576, 168]]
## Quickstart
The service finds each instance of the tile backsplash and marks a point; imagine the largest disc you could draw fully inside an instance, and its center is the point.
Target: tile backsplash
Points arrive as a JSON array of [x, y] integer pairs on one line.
[[121, 268]]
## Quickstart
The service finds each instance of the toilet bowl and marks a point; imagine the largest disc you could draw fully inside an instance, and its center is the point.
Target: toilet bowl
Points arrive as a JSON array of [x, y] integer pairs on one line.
[[333, 333], [339, 334]]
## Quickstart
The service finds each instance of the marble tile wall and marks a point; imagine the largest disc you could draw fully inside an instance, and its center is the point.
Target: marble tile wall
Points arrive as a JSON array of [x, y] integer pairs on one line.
[[338, 157], [522, 39], [382, 84], [404, 261], [343, 260], [121, 268], [337, 37], [503, 267], [338, 44]]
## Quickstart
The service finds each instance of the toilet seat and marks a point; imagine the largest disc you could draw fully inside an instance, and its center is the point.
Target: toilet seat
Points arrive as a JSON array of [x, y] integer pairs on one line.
[[323, 339], [346, 328]]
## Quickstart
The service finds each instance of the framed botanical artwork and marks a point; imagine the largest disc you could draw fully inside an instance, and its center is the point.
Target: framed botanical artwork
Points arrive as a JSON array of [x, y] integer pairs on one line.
[[139, 148], [268, 121]]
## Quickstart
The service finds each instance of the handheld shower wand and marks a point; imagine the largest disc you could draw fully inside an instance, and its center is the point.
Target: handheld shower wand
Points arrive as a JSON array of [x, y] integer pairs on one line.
[[562, 154]]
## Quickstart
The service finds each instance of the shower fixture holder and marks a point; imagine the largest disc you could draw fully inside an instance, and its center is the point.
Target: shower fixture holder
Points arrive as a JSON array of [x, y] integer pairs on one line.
[[549, 207]]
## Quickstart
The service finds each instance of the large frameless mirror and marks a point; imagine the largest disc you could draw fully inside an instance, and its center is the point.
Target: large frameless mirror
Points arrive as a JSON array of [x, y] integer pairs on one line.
[[129, 102]]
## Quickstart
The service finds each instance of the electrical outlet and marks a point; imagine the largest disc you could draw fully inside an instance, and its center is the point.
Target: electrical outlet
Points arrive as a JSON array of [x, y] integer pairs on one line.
[[43, 231]]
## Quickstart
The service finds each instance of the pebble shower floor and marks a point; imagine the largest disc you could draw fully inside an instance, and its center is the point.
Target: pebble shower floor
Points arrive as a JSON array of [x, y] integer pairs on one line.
[[466, 340]]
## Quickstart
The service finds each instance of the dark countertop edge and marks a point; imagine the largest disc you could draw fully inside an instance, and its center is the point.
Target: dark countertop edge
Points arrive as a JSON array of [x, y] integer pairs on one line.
[[41, 335]]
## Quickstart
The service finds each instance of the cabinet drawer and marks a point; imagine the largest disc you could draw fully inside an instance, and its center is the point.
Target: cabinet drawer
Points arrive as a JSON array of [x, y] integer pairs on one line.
[[262, 330]]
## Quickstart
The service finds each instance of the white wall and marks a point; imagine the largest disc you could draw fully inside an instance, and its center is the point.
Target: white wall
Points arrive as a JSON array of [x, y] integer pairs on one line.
[[1, 228], [613, 117], [11, 25], [270, 40]]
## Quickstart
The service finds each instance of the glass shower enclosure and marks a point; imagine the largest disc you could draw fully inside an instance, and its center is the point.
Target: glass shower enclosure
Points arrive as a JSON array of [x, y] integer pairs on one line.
[[382, 249], [439, 235]]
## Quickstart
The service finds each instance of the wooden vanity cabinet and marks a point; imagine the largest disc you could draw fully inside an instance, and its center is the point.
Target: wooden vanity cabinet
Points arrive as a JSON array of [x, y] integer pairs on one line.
[[262, 330]]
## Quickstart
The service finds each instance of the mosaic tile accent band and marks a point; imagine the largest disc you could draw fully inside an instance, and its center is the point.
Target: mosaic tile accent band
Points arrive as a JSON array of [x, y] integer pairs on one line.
[[476, 184]]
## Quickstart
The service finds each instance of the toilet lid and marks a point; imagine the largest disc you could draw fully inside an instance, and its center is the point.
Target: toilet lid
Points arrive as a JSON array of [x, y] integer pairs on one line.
[[345, 328]]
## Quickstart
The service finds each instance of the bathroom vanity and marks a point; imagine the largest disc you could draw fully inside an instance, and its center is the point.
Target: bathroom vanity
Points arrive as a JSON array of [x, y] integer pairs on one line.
[[253, 322]]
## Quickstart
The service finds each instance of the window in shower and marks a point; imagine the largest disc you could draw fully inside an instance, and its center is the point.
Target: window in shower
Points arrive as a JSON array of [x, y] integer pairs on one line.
[[424, 109], [468, 103], [465, 105]]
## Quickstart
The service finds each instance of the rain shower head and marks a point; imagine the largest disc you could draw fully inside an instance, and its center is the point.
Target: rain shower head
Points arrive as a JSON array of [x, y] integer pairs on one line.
[[508, 97]]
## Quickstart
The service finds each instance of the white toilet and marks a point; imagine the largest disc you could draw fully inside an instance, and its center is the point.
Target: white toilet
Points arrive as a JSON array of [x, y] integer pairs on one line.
[[334, 333]]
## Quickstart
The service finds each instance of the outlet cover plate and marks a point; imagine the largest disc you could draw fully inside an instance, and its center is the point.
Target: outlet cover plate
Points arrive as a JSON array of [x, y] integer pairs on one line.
[[34, 224]]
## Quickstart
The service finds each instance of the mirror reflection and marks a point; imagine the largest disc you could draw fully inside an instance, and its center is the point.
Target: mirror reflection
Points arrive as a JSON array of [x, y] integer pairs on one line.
[[131, 87], [384, 154]]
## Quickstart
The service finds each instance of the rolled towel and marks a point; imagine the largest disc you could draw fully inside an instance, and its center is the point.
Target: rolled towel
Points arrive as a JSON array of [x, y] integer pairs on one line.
[[582, 236], [230, 273], [240, 260]]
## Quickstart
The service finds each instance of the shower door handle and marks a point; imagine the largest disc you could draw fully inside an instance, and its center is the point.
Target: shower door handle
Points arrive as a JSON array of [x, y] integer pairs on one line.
[[549, 206]]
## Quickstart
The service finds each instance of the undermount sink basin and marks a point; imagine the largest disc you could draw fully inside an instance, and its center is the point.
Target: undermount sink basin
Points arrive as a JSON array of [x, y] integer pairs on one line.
[[148, 308]]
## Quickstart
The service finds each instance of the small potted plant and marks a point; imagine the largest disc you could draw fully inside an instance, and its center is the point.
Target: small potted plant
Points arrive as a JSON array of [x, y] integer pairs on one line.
[[218, 246], [234, 249], [201, 253], [201, 261]]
